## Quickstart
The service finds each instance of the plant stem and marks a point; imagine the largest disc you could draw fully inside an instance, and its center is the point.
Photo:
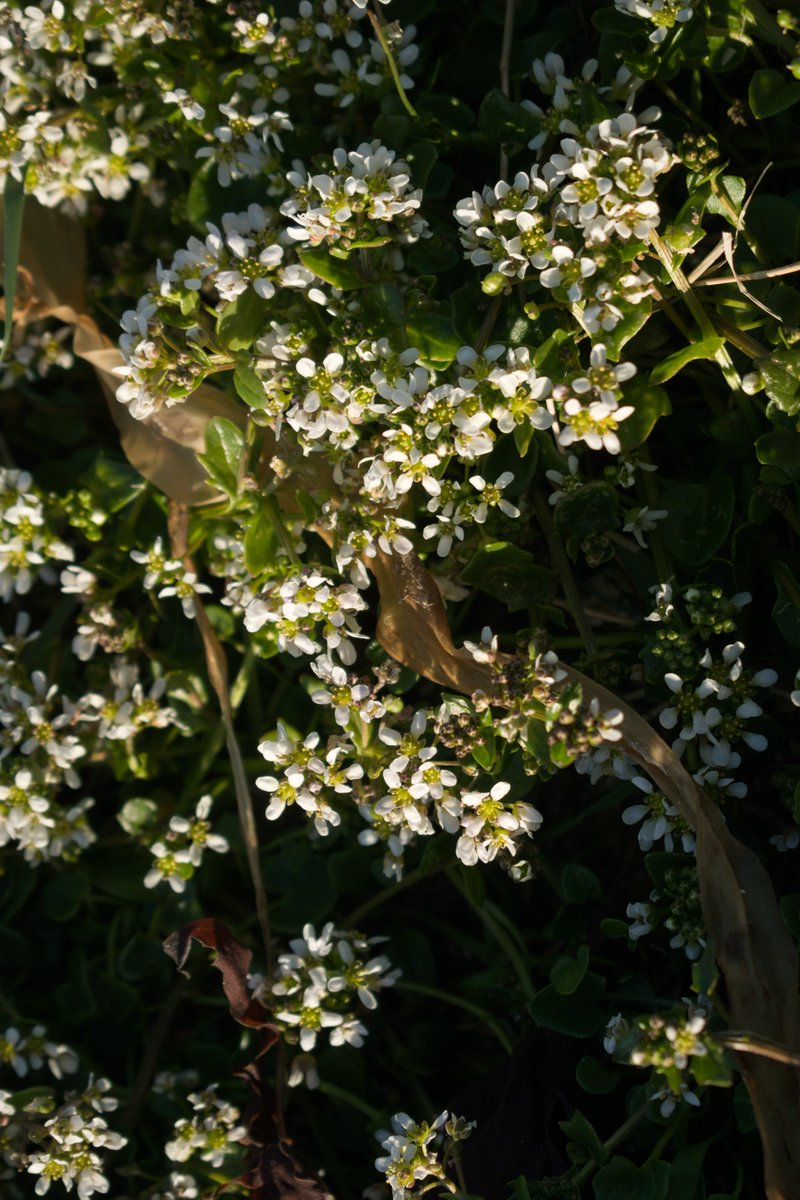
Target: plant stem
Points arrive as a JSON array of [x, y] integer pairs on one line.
[[561, 563], [458, 1002], [706, 327], [500, 936], [505, 68], [337, 1093], [377, 25], [611, 1143]]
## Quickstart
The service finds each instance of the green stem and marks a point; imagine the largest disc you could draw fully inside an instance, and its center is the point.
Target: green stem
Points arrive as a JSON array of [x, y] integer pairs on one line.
[[561, 563], [384, 45], [458, 1002], [337, 1093], [615, 1140], [358, 914], [707, 329], [500, 936]]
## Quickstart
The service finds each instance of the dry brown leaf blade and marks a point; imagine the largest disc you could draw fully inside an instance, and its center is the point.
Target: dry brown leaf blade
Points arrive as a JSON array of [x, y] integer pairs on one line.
[[755, 950], [232, 961]]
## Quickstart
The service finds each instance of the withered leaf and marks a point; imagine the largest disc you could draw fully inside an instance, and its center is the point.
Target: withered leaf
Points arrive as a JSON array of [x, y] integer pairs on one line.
[[274, 1173], [232, 961], [753, 946]]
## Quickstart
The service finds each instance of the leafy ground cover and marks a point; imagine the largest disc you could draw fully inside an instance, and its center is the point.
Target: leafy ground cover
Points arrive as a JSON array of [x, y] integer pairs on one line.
[[398, 775]]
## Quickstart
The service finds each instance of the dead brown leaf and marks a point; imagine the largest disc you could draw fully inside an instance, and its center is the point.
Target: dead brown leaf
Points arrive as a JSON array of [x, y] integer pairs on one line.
[[754, 949], [232, 961]]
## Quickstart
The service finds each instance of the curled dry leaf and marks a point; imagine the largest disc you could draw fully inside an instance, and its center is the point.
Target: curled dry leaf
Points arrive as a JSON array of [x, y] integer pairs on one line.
[[232, 961], [275, 1173], [164, 447], [755, 951]]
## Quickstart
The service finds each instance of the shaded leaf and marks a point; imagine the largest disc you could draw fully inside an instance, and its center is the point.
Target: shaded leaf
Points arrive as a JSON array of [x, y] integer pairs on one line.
[[771, 92], [623, 1180], [510, 575], [698, 518], [781, 374], [568, 972], [13, 208], [595, 1078], [504, 121]]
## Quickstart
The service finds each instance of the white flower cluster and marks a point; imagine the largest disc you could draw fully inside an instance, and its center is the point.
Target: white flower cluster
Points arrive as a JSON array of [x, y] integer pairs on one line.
[[170, 576], [414, 1152], [127, 710], [240, 145], [307, 774], [180, 853], [318, 986], [251, 250], [213, 1133], [26, 1052], [28, 545], [663, 14], [709, 708], [298, 604], [35, 354], [416, 787], [366, 197], [177, 1187], [564, 219], [670, 1047], [70, 1140]]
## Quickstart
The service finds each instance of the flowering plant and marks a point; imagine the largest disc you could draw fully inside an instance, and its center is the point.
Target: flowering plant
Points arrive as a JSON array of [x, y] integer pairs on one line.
[[399, 503]]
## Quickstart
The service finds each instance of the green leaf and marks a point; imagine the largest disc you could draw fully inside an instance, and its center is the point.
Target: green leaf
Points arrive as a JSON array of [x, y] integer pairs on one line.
[[248, 385], [504, 121], [781, 449], [63, 895], [577, 1015], [224, 447], [790, 911], [623, 1180], [241, 323], [434, 336], [685, 1171], [114, 483], [674, 363], [712, 1069], [786, 610], [259, 542], [421, 157], [633, 318], [588, 510], [771, 92], [594, 1078], [13, 208], [781, 374], [474, 885], [650, 403], [136, 815], [581, 1131], [775, 221], [698, 518], [567, 973], [510, 575], [612, 927], [142, 958], [733, 190], [579, 884], [339, 272]]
